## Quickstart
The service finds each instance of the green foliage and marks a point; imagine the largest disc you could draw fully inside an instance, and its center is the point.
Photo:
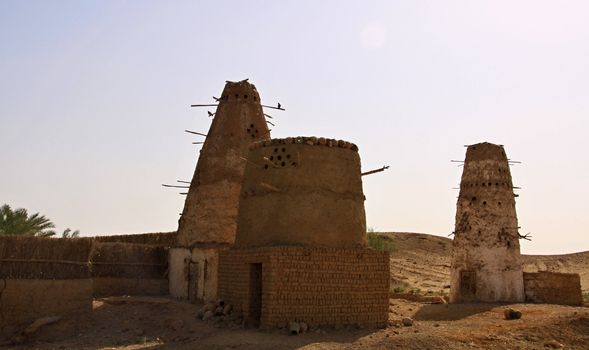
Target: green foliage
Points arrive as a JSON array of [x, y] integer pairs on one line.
[[19, 223], [380, 242], [399, 290]]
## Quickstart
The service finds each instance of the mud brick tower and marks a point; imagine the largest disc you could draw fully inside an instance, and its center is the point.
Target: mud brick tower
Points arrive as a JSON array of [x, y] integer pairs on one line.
[[486, 260], [209, 219], [300, 252]]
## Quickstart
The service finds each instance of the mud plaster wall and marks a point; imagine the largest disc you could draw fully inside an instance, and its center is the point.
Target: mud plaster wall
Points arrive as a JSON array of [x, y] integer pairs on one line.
[[486, 245], [210, 210], [194, 271], [120, 268], [109, 286], [23, 301], [553, 288], [320, 286], [302, 191], [177, 274]]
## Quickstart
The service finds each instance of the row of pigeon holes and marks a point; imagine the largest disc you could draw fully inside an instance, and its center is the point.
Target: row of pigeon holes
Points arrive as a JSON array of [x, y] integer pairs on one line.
[[485, 184], [300, 140], [473, 200], [225, 97]]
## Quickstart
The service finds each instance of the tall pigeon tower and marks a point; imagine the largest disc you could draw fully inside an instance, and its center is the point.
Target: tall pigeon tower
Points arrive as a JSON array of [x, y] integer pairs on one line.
[[210, 210], [209, 220], [486, 260]]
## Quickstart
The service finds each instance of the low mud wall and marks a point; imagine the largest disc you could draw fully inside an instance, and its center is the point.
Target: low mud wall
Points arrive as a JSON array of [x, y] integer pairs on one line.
[[128, 269], [42, 277], [23, 301], [553, 288]]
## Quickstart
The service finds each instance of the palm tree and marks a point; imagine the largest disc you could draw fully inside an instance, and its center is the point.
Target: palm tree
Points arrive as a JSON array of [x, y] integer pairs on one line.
[[67, 233], [19, 223]]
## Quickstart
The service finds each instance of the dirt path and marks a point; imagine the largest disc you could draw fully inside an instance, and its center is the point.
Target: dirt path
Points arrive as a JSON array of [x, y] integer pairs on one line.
[[173, 325]]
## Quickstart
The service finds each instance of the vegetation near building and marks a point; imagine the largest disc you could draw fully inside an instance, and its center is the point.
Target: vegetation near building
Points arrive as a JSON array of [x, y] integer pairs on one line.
[[380, 242], [19, 223]]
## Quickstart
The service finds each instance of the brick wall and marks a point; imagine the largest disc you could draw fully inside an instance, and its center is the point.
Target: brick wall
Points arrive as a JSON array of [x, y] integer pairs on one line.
[[553, 288], [320, 286]]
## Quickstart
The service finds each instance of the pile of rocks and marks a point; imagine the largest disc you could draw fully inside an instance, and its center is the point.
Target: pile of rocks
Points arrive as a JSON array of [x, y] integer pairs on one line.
[[511, 314], [220, 313], [295, 328]]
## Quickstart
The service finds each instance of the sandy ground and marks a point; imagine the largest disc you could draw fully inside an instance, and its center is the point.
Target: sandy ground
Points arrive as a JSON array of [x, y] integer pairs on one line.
[[169, 324]]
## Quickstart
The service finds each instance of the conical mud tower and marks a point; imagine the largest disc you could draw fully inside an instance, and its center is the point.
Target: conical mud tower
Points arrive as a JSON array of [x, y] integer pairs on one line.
[[209, 219], [210, 210], [486, 260]]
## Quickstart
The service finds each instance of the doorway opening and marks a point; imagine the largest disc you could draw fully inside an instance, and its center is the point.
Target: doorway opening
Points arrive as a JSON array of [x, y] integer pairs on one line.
[[468, 284], [193, 281], [255, 294]]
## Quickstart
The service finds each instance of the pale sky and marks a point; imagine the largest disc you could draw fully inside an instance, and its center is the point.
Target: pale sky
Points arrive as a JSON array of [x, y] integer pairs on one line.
[[95, 95]]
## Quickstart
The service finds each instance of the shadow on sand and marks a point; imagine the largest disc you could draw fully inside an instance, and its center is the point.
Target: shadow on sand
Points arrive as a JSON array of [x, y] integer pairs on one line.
[[452, 312], [171, 325]]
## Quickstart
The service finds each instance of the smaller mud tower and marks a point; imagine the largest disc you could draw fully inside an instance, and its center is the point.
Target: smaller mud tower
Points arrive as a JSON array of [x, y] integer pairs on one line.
[[486, 260], [300, 253], [209, 219]]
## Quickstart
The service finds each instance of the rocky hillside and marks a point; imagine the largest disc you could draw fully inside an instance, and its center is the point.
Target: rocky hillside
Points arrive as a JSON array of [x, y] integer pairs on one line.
[[422, 261]]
